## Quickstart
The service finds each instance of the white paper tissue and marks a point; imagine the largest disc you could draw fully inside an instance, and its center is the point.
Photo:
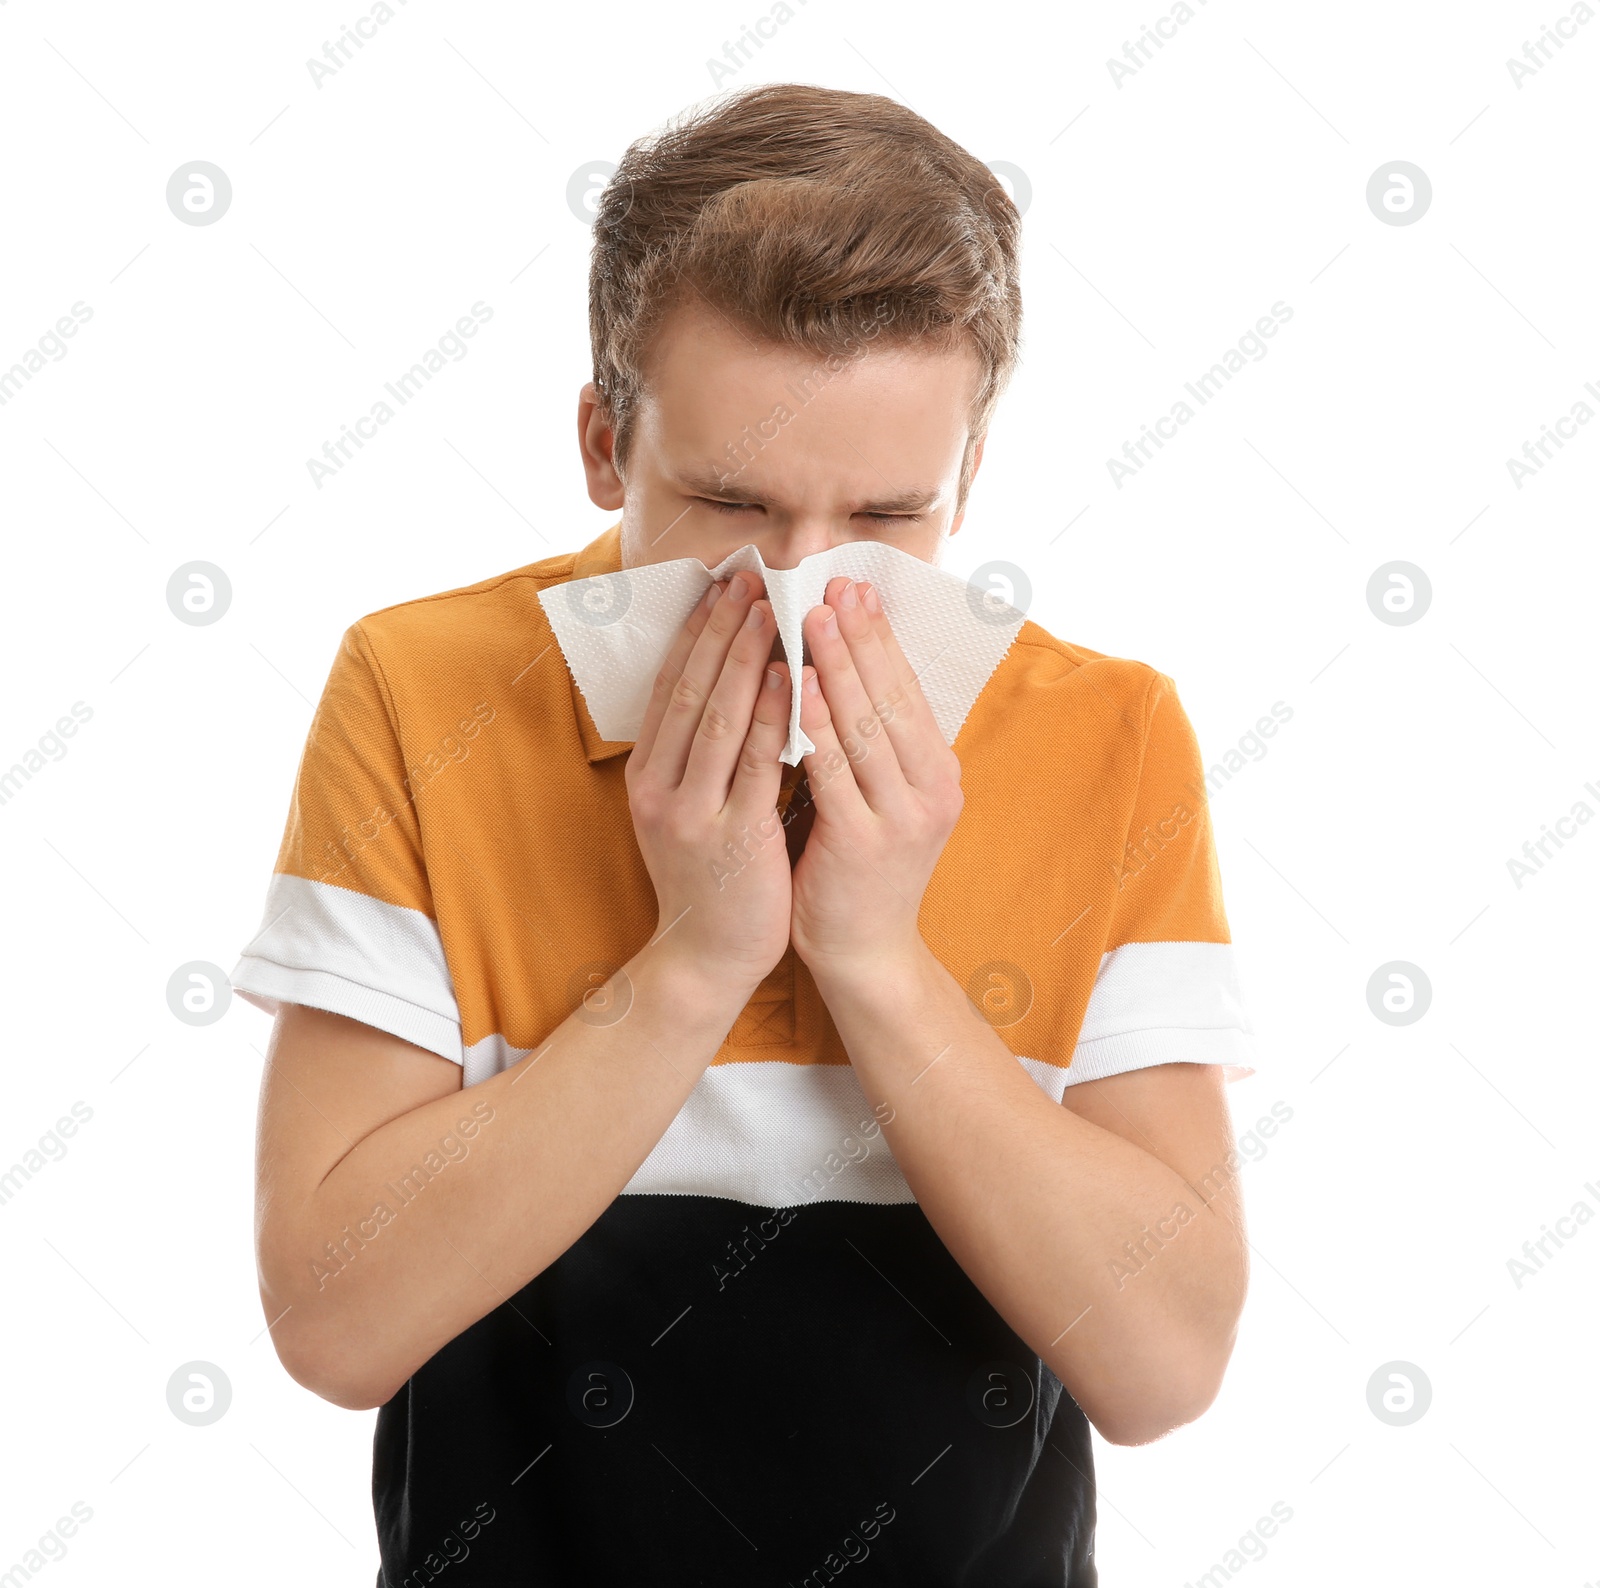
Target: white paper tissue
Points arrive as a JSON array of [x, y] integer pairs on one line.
[[615, 629]]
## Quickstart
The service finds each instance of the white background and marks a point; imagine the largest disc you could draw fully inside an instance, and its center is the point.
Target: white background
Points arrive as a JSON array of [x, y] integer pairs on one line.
[[1166, 216]]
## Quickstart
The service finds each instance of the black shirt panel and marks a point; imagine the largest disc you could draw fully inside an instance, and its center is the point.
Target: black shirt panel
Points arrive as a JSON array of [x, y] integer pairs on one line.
[[701, 1393]]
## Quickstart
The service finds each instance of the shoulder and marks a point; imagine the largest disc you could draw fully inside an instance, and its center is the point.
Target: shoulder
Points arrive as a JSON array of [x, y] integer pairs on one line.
[[1046, 679], [457, 614], [476, 648], [480, 628]]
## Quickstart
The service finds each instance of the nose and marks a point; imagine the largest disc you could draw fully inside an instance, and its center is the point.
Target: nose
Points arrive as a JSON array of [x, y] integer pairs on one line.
[[797, 543]]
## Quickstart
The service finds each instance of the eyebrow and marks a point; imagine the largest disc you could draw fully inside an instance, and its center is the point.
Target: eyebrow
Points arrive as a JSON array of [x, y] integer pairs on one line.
[[708, 482]]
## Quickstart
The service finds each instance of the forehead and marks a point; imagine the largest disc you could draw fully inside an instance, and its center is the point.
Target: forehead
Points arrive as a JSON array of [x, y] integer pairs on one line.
[[708, 377]]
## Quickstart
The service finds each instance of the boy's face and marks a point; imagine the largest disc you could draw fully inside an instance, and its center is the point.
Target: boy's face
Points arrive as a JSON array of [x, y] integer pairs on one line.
[[802, 457]]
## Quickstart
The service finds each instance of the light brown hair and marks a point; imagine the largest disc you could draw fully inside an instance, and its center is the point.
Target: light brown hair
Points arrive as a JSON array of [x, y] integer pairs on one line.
[[804, 215]]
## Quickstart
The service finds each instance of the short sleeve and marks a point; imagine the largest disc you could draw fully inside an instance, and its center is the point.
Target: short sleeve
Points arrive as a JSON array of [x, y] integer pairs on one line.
[[349, 924], [1167, 989]]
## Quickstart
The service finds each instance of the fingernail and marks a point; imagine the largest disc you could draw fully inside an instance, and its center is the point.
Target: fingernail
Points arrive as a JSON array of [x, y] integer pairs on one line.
[[737, 586], [752, 618], [847, 596], [869, 598], [774, 678], [713, 595], [810, 685]]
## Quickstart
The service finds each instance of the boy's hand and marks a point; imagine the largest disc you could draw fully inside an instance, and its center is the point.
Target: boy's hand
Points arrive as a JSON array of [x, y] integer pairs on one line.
[[703, 780], [886, 786]]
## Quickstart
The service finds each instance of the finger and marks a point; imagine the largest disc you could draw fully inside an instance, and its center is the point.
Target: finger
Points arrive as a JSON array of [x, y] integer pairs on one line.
[[828, 770], [759, 775], [860, 731], [892, 685], [670, 671], [685, 695], [718, 740]]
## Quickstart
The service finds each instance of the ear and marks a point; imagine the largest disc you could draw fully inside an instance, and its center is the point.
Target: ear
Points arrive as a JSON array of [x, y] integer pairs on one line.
[[595, 442]]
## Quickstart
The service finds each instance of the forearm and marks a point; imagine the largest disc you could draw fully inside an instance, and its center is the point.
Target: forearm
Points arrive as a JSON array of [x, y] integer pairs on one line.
[[371, 1298], [1072, 1232]]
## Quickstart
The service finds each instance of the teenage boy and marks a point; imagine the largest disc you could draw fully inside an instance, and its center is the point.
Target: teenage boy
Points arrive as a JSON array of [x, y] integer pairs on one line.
[[698, 1207]]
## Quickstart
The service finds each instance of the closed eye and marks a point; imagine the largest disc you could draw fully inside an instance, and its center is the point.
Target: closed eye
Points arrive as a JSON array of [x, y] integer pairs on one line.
[[750, 507]]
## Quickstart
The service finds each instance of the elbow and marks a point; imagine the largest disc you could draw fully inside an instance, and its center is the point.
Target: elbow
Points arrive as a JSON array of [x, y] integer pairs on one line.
[[1144, 1422], [1177, 1376], [319, 1357], [1169, 1398], [352, 1392], [328, 1373]]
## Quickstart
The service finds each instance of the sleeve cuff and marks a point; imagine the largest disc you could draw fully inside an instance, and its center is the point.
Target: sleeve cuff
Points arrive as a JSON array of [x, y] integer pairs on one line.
[[1164, 1003], [266, 984], [1139, 1050]]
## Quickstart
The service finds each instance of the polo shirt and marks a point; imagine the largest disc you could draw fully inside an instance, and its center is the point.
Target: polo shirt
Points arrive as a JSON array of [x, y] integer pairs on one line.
[[760, 1364]]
